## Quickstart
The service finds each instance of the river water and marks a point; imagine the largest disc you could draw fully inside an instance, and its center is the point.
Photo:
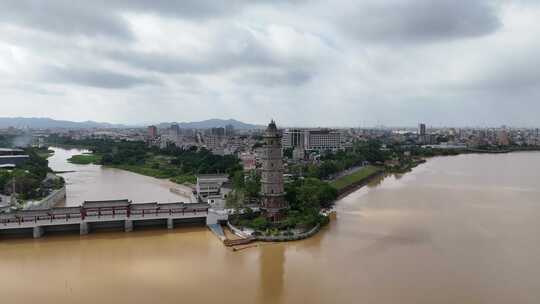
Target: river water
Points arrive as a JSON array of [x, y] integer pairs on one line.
[[461, 229], [94, 182]]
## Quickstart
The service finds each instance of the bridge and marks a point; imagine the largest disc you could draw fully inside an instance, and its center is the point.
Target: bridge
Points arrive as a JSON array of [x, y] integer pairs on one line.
[[95, 215]]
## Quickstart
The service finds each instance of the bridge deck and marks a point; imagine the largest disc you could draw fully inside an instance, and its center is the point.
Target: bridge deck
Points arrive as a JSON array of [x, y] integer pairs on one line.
[[104, 213]]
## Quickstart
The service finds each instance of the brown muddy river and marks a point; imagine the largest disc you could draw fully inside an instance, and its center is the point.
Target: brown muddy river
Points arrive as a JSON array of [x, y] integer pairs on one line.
[[460, 229], [94, 182]]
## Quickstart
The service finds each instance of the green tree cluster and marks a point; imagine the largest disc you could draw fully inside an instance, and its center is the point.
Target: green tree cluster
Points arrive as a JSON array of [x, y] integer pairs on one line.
[[28, 178], [310, 193], [6, 140], [169, 162]]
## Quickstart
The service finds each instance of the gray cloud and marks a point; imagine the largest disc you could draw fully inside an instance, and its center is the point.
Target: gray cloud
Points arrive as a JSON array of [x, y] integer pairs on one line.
[[275, 78], [421, 20], [196, 9], [305, 62], [250, 56], [64, 17], [104, 17], [518, 77], [215, 61], [93, 78]]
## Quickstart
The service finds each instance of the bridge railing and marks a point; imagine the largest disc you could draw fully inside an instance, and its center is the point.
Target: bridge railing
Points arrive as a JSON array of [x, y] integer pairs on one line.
[[90, 214]]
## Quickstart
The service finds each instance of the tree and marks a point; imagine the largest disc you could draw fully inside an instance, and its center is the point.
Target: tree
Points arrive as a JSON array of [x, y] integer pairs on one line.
[[238, 180], [234, 200], [308, 194], [327, 168], [253, 185], [312, 193], [260, 223], [327, 195], [5, 176], [288, 152]]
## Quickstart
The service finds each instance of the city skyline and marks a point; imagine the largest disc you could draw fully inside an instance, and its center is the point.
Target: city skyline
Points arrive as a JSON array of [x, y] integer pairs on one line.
[[345, 63], [223, 122], [27, 122]]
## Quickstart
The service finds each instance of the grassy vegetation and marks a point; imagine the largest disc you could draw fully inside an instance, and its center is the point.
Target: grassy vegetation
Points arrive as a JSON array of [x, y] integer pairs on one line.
[[144, 170], [356, 177], [184, 179], [85, 159], [158, 166]]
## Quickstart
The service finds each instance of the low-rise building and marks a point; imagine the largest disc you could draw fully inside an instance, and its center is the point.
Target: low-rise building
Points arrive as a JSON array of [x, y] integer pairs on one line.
[[249, 161], [210, 185]]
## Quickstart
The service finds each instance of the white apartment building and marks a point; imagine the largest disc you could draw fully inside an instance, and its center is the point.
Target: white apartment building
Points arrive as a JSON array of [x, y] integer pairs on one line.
[[312, 139]]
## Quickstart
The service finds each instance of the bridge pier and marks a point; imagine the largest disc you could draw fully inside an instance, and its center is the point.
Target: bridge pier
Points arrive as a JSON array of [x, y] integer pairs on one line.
[[37, 232], [211, 218], [128, 226], [170, 223], [84, 228]]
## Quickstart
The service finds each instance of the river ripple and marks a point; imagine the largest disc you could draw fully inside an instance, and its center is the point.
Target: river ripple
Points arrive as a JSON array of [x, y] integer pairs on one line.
[[456, 230], [94, 182]]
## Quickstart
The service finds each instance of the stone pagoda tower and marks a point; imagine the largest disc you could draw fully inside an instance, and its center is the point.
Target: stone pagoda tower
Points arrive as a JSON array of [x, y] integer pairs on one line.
[[272, 190]]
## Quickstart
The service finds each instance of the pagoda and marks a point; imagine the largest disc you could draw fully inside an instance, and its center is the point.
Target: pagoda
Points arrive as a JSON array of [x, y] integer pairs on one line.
[[273, 203]]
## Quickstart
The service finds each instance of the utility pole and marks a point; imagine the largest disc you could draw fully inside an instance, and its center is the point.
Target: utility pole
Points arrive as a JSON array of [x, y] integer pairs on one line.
[[13, 199]]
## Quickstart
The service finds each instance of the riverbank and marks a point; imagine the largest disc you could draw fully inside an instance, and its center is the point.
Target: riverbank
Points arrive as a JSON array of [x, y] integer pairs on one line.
[[352, 182], [502, 151], [354, 178], [156, 173], [157, 168], [359, 184], [248, 236]]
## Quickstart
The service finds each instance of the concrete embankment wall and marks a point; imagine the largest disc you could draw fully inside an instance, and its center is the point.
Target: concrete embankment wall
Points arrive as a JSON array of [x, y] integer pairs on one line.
[[295, 237], [53, 199], [281, 238], [355, 186]]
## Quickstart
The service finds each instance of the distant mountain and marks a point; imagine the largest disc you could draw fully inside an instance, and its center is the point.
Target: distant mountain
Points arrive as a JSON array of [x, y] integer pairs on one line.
[[48, 123], [212, 123]]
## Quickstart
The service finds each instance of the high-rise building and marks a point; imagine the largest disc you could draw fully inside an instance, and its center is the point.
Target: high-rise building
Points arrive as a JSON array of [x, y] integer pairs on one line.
[[422, 136], [229, 130], [152, 132], [273, 201], [174, 130], [422, 129], [218, 131], [293, 138]]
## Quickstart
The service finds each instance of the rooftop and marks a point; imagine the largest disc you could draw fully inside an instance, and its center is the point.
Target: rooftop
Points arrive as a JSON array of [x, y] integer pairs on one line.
[[102, 204], [212, 176], [10, 150]]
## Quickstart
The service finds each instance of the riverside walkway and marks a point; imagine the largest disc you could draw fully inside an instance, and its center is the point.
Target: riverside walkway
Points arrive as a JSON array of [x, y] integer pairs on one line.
[[95, 215]]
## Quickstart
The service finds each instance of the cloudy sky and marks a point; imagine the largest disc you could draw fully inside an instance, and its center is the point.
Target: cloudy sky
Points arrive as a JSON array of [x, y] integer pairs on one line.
[[302, 62]]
